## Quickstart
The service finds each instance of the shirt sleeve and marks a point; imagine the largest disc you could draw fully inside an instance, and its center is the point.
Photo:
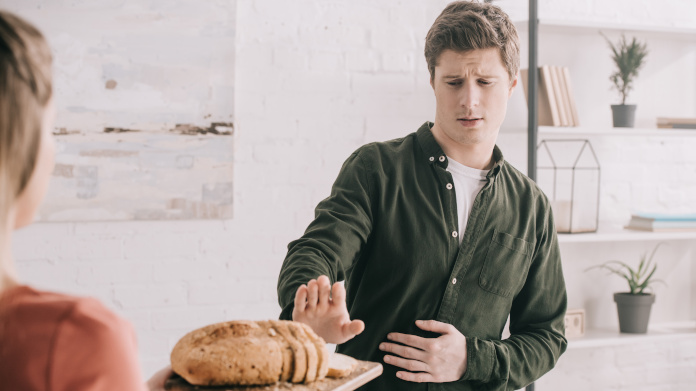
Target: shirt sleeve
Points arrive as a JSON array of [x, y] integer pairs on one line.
[[537, 331], [332, 241], [94, 350]]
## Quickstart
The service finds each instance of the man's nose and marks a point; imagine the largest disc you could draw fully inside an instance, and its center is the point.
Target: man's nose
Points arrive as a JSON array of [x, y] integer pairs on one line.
[[470, 95]]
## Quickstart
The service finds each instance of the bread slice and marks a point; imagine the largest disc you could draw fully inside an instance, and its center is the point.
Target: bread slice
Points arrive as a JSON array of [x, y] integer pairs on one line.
[[341, 365], [312, 356], [237, 352], [286, 349], [322, 351], [299, 352]]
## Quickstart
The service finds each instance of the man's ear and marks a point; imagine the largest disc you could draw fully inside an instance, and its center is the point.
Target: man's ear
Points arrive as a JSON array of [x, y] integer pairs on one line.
[[513, 85]]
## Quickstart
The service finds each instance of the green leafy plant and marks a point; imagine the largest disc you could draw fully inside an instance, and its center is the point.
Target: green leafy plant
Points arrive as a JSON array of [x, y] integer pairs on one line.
[[629, 58], [638, 279]]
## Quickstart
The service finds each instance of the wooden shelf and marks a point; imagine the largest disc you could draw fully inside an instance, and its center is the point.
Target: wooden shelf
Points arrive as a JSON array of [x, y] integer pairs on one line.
[[583, 26], [656, 333], [619, 234]]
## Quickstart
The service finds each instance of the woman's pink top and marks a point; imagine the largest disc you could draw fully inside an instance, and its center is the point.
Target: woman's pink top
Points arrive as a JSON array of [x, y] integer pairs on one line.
[[56, 342]]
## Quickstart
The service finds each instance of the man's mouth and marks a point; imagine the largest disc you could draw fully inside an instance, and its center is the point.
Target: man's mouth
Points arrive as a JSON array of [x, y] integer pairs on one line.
[[469, 121]]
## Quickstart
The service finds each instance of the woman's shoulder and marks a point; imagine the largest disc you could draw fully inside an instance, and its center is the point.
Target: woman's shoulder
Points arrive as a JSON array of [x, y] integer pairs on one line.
[[52, 308], [64, 331]]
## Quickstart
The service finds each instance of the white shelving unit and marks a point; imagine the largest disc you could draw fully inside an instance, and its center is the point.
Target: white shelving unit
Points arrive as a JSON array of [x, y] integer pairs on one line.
[[550, 26], [661, 332], [611, 233], [546, 131]]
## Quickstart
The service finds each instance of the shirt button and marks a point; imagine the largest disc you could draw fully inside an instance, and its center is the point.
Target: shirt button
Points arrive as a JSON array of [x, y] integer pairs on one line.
[[449, 186], [442, 158], [454, 281], [454, 234], [432, 159]]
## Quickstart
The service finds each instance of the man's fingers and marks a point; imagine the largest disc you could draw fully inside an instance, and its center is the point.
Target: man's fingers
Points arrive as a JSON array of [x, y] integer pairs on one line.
[[312, 295], [412, 340], [353, 328], [435, 326], [338, 293], [324, 291], [419, 377], [301, 298], [404, 351], [409, 365]]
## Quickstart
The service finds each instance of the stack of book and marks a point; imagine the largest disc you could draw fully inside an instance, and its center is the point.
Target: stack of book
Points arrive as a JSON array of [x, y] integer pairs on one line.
[[556, 103], [676, 123], [663, 222]]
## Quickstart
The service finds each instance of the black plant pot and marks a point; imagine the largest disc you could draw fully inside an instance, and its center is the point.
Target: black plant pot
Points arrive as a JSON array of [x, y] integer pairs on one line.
[[624, 115], [634, 311]]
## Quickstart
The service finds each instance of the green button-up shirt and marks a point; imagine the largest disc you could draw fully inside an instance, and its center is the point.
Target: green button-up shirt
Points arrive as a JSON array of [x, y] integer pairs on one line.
[[389, 229]]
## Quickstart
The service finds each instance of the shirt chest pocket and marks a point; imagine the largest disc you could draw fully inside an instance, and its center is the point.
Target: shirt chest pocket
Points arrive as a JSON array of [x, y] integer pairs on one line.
[[506, 265]]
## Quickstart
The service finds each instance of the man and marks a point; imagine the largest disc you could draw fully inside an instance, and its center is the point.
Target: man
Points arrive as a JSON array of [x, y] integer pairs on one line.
[[438, 239]]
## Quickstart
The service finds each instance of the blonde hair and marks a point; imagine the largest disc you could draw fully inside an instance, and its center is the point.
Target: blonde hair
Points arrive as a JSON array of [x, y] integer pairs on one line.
[[25, 90], [468, 25]]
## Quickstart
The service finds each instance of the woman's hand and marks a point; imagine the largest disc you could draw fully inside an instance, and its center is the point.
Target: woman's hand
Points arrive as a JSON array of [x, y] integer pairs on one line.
[[156, 382]]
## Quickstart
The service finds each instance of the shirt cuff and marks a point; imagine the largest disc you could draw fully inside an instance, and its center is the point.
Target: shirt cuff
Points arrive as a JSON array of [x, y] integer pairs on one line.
[[480, 360]]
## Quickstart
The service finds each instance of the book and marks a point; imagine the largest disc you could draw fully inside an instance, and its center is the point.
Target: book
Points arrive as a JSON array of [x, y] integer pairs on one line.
[[661, 228], [664, 217], [663, 222], [571, 97], [565, 97], [547, 86], [676, 126], [558, 95], [675, 121], [544, 117]]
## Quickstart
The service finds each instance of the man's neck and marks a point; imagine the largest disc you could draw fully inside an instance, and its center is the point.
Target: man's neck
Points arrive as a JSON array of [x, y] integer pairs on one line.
[[478, 156]]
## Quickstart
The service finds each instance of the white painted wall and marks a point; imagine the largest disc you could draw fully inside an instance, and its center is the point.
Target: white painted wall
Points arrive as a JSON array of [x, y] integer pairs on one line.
[[169, 61], [313, 81]]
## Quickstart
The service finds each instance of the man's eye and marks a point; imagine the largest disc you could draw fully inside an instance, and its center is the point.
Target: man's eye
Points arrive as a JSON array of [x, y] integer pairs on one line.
[[484, 82], [454, 83]]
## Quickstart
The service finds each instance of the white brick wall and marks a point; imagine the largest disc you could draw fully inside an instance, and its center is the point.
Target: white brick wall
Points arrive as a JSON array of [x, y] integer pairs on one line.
[[315, 80]]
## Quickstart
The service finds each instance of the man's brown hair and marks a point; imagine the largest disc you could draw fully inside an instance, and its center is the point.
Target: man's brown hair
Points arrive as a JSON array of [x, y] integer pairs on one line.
[[469, 25]]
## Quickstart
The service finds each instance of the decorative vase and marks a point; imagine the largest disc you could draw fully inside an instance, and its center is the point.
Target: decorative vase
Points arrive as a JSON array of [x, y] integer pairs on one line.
[[634, 311], [624, 115]]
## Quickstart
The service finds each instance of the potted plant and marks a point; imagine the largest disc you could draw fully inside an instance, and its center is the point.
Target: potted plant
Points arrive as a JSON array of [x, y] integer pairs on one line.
[[634, 306], [629, 58]]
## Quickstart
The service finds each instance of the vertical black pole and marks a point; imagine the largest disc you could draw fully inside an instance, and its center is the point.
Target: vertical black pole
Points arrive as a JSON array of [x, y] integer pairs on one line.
[[533, 78]]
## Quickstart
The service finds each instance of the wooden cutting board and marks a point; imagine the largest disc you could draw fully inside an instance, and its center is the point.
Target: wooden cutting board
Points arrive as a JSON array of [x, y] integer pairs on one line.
[[365, 372]]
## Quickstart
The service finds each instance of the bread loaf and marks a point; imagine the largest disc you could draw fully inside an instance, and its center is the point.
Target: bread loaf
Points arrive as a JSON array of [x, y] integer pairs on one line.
[[250, 353], [341, 365]]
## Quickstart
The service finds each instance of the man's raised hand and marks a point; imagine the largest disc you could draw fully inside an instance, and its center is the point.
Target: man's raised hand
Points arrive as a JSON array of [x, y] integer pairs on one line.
[[323, 308]]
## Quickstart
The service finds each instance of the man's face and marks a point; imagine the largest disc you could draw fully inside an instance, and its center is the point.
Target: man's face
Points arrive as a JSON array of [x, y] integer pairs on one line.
[[472, 90]]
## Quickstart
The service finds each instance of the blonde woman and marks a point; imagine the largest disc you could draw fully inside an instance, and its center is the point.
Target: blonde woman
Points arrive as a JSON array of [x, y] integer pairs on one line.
[[48, 341]]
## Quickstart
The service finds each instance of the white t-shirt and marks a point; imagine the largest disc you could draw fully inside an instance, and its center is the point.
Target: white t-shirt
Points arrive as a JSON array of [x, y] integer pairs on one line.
[[467, 184]]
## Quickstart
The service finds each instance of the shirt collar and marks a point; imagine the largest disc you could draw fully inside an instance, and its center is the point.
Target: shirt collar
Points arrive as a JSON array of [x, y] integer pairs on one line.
[[435, 155]]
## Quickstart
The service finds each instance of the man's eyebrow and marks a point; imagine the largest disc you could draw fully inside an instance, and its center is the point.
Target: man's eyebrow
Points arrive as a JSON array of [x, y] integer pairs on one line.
[[477, 75]]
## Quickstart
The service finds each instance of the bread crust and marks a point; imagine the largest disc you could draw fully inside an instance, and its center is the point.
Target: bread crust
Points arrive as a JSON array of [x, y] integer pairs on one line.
[[250, 353], [236, 352], [300, 355], [322, 351], [312, 355], [286, 349]]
